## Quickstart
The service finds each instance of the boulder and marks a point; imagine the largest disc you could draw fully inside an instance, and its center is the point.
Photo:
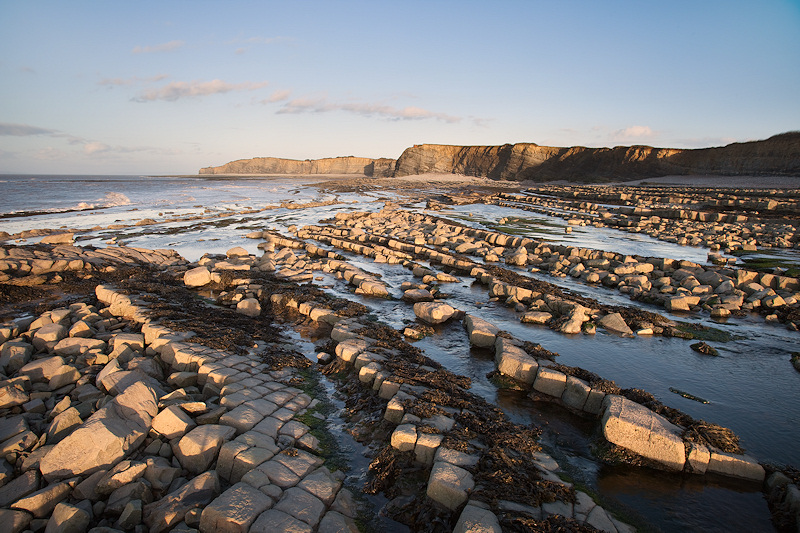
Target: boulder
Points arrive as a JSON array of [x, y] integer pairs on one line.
[[167, 512], [481, 333], [105, 438], [615, 323], [449, 485], [417, 295], [14, 355], [198, 449], [197, 277], [67, 518], [514, 362], [640, 430], [474, 519], [172, 422], [48, 336], [433, 312], [249, 307]]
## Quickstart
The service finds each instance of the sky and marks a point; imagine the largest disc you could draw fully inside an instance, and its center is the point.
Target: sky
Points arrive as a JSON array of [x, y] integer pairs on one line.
[[169, 87]]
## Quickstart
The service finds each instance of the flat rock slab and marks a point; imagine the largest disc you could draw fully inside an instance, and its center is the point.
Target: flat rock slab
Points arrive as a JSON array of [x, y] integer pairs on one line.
[[274, 520], [235, 509], [640, 430]]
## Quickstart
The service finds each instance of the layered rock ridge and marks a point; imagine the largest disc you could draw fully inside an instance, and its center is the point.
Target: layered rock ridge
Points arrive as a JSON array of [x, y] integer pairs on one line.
[[777, 156], [362, 166]]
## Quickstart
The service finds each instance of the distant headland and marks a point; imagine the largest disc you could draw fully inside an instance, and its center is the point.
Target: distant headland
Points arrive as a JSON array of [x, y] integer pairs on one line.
[[777, 156]]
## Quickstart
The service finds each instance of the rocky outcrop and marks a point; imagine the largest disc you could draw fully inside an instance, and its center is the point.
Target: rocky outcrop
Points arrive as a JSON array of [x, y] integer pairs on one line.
[[777, 156], [362, 166]]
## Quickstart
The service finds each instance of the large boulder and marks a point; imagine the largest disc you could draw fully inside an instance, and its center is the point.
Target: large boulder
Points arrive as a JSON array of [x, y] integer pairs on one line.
[[105, 438], [640, 430]]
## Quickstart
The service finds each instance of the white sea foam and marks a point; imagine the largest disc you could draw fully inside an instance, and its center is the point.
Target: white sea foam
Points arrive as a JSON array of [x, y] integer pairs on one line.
[[114, 199]]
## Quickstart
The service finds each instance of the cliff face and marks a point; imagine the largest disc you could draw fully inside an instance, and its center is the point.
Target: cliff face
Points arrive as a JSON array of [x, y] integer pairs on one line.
[[776, 156], [333, 165]]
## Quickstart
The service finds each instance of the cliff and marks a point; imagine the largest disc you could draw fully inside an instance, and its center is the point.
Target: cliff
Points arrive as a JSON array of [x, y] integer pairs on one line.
[[361, 166], [776, 156]]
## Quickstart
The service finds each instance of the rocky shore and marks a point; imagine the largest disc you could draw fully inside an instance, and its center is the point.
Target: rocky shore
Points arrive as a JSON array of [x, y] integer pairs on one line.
[[144, 392]]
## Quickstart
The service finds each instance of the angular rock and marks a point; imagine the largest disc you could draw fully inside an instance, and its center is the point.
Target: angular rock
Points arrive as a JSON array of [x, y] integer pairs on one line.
[[14, 355], [172, 422], [273, 520], [640, 430], [249, 307], [105, 438], [433, 312], [165, 513], [67, 518], [42, 369], [20, 487], [47, 337], [550, 382], [42, 502], [301, 505], [15, 521], [741, 466], [234, 510], [481, 333], [614, 322], [474, 519], [62, 425], [449, 485], [121, 474], [198, 449]]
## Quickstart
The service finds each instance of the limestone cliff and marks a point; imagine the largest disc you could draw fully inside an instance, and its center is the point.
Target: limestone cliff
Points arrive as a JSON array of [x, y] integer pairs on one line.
[[776, 156], [361, 166]]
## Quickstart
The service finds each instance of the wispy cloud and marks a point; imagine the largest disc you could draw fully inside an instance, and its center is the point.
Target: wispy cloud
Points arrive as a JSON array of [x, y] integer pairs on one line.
[[95, 147], [164, 47], [23, 130], [306, 105], [194, 89], [277, 96], [135, 80]]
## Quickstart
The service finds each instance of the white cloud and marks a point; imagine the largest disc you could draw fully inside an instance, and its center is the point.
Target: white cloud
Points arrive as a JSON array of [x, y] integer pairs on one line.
[[193, 89], [305, 105], [23, 130], [131, 81], [164, 47], [633, 133]]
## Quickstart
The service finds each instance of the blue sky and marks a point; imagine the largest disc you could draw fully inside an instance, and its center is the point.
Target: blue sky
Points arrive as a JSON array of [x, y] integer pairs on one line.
[[170, 87]]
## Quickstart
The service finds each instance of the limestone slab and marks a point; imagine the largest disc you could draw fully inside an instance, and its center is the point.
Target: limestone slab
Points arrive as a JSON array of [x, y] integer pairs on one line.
[[234, 510], [637, 428]]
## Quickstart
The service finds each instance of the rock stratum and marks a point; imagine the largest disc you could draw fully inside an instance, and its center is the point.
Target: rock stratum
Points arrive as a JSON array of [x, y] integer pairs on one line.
[[777, 156], [361, 166]]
